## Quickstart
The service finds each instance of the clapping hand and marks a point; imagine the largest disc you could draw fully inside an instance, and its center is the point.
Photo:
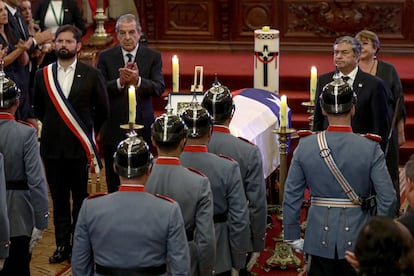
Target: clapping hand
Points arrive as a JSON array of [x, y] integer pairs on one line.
[[129, 75]]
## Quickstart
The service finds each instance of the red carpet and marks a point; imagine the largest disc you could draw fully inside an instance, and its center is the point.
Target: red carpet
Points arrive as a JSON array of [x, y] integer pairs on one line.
[[263, 265]]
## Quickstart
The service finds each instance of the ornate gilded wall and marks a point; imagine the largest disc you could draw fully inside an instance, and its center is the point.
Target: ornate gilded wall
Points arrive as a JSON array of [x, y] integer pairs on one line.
[[304, 25]]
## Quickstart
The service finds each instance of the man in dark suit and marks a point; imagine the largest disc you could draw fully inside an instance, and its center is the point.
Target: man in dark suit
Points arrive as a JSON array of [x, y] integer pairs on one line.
[[129, 63], [372, 111], [21, 76], [72, 103]]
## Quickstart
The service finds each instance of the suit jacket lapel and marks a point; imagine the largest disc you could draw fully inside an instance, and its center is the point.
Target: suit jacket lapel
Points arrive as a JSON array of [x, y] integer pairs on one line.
[[358, 82], [139, 57], [79, 75]]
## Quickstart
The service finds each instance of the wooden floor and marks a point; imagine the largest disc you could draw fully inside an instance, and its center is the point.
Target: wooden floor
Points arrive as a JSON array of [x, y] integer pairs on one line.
[[40, 259]]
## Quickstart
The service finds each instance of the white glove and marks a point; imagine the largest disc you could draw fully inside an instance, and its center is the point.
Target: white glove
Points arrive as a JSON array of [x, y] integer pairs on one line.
[[296, 245], [252, 261], [235, 272], [2, 264], [37, 234]]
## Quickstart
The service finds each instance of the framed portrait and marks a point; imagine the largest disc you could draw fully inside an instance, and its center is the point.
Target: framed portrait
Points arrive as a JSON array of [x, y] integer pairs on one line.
[[181, 101]]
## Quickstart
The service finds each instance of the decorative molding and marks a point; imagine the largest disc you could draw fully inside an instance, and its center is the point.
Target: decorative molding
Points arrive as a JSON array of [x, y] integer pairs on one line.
[[148, 12], [224, 19], [335, 18], [256, 15], [184, 17]]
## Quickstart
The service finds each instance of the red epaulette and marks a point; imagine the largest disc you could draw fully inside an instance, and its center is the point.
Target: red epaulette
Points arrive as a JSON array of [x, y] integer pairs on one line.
[[164, 197], [26, 123], [304, 133], [373, 137], [248, 141], [197, 172], [226, 157], [97, 195]]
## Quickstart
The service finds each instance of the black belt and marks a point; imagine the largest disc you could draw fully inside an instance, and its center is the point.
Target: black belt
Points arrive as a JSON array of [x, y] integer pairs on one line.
[[190, 235], [105, 270], [220, 218], [17, 185]]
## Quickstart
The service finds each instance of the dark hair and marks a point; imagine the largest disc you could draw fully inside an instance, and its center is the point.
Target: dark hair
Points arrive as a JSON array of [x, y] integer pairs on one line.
[[11, 37], [77, 34], [384, 247], [356, 45]]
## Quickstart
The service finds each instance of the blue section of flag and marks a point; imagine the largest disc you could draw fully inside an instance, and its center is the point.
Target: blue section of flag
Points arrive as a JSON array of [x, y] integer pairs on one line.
[[271, 100]]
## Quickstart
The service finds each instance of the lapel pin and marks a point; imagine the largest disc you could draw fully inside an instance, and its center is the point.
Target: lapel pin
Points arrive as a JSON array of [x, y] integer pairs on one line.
[[359, 84], [78, 76]]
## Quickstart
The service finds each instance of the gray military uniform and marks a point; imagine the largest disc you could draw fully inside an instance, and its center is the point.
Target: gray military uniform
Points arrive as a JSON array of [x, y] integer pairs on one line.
[[231, 216], [193, 193], [333, 230], [4, 219], [130, 229], [26, 207], [250, 162]]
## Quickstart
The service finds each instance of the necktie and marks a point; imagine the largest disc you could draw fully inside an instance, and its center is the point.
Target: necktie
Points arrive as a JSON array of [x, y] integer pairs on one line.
[[129, 57], [345, 78], [21, 29]]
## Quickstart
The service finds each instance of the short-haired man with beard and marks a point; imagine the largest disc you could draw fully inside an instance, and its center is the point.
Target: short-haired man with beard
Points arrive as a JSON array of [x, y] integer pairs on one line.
[[72, 103]]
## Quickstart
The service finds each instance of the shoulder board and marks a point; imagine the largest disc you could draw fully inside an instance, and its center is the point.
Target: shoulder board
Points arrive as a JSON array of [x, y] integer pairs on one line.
[[304, 133], [373, 137], [97, 195], [164, 197], [26, 123], [226, 157], [196, 171], [245, 140]]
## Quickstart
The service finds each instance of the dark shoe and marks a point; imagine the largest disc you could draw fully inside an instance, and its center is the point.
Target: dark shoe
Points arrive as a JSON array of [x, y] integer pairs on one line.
[[61, 254]]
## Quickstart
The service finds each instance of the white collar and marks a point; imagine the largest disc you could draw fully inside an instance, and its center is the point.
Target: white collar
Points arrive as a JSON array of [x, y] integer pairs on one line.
[[73, 65], [352, 74], [133, 52], [12, 10]]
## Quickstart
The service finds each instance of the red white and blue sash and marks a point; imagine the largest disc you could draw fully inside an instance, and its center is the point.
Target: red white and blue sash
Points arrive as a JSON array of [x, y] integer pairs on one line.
[[71, 118]]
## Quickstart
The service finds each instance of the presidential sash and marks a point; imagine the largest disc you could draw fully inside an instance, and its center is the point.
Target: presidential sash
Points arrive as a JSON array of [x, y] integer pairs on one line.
[[71, 118]]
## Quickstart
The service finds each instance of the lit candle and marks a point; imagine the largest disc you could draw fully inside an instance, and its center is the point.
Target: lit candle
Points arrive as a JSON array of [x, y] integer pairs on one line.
[[175, 74], [314, 73], [132, 102], [283, 111]]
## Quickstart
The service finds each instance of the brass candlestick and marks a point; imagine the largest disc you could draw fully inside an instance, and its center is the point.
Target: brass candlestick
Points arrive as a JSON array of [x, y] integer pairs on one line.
[[100, 18], [310, 109], [131, 126], [283, 254], [283, 133]]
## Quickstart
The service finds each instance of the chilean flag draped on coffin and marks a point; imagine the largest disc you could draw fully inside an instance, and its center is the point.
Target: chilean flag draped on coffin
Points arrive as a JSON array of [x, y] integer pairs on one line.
[[255, 118]]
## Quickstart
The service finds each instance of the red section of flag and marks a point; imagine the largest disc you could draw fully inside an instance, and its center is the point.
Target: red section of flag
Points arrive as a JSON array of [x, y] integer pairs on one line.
[[93, 4]]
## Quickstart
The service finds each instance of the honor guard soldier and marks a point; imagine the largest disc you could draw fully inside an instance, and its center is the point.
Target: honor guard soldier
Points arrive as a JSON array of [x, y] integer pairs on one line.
[[342, 170], [219, 103], [26, 190], [231, 215], [4, 219], [130, 232], [189, 188]]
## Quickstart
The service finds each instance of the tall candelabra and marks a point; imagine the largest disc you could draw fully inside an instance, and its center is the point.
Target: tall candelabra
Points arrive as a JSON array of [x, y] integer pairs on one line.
[[100, 18], [283, 254]]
